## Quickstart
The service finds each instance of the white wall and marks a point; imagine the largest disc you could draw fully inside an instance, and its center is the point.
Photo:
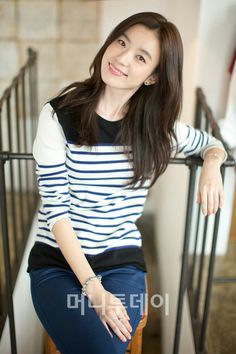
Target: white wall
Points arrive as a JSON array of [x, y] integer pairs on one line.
[[114, 11], [29, 331], [216, 43]]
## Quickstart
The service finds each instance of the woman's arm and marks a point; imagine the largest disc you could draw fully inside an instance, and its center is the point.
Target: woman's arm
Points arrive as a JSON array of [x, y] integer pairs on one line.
[[193, 141], [73, 253], [107, 305]]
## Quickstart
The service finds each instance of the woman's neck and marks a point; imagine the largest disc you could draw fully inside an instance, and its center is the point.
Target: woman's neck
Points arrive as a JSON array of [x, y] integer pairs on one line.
[[113, 105]]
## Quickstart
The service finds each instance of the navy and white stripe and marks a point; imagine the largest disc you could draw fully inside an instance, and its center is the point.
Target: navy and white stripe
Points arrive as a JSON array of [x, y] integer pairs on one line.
[[88, 186]]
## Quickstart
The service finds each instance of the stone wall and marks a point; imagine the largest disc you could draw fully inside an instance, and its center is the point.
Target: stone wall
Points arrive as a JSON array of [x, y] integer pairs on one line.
[[64, 32]]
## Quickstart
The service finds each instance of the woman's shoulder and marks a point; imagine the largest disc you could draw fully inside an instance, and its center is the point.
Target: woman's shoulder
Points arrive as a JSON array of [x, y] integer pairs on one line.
[[55, 102], [64, 117]]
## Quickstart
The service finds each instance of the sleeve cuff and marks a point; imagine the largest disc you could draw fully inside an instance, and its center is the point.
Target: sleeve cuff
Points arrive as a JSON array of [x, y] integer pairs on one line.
[[54, 220]]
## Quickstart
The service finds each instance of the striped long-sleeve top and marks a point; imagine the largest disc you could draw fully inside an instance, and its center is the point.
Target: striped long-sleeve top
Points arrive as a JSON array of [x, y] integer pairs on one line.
[[88, 186]]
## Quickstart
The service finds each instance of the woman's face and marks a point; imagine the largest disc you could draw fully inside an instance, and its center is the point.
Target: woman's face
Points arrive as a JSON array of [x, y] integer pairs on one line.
[[135, 55]]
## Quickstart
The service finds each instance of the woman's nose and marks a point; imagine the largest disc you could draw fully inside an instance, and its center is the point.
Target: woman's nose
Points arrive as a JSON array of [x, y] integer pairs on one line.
[[124, 58]]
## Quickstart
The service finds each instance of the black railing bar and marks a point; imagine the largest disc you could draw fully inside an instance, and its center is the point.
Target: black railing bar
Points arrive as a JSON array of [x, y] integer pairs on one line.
[[29, 209], [193, 264], [184, 268], [31, 60], [6, 254], [33, 94], [1, 138], [5, 155], [188, 161], [33, 106], [194, 321], [210, 276], [22, 209], [201, 267], [225, 279], [13, 200], [1, 304], [31, 100]]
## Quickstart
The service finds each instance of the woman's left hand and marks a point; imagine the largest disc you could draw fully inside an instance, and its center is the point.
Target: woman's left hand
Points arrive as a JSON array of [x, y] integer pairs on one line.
[[210, 190]]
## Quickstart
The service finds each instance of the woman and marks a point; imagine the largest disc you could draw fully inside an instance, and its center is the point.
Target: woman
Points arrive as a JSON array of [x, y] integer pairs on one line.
[[100, 145]]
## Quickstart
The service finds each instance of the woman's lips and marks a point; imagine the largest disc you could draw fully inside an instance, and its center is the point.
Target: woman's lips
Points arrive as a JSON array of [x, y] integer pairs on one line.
[[115, 71]]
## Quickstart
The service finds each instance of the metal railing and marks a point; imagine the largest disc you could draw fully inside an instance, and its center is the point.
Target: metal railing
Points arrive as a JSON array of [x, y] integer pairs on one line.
[[18, 188], [203, 120]]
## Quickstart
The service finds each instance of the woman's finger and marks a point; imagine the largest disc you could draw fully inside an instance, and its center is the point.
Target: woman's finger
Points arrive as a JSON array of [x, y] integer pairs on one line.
[[210, 201], [204, 201], [115, 324], [216, 202], [221, 198], [125, 317], [123, 325], [124, 313]]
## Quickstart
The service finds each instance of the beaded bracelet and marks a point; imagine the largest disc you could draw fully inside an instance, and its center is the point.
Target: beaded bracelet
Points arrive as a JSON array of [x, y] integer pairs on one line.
[[84, 287]]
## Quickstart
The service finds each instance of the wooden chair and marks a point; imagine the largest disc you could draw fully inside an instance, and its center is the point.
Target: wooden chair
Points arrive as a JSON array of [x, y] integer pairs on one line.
[[135, 344]]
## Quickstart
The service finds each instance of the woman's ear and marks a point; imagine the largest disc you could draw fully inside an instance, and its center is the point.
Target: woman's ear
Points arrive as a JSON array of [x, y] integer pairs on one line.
[[151, 80], [154, 80]]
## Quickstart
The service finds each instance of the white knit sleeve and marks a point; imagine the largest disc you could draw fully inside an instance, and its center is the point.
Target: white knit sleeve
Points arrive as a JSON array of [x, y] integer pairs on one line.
[[49, 151]]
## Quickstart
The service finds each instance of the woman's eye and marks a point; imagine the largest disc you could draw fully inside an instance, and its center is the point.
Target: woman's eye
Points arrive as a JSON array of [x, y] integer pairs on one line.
[[120, 40], [142, 58]]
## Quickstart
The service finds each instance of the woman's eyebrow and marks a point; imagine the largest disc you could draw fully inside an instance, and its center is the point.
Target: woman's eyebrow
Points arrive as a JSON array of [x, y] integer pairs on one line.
[[141, 49]]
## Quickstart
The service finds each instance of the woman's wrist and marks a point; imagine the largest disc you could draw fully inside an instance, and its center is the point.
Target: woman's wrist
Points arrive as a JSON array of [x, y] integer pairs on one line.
[[213, 160], [93, 287], [214, 156]]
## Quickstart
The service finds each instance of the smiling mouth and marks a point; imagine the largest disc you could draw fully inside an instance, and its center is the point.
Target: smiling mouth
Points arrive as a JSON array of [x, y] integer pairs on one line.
[[115, 71]]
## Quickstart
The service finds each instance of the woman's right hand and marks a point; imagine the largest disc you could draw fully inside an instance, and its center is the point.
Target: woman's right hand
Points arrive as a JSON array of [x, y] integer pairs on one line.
[[109, 308]]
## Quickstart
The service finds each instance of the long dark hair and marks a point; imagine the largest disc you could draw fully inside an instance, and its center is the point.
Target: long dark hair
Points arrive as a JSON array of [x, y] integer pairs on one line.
[[148, 126]]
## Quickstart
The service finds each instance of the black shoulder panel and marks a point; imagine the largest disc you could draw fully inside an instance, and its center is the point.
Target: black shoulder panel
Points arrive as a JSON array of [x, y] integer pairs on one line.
[[65, 119]]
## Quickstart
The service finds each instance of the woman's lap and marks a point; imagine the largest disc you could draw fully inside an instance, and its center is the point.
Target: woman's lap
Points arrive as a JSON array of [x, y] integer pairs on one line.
[[69, 317]]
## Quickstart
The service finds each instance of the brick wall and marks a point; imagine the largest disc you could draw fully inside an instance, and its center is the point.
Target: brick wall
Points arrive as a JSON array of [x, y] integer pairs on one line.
[[64, 32]]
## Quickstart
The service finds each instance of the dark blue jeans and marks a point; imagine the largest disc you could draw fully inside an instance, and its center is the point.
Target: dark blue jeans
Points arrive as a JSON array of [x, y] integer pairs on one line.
[[69, 317]]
